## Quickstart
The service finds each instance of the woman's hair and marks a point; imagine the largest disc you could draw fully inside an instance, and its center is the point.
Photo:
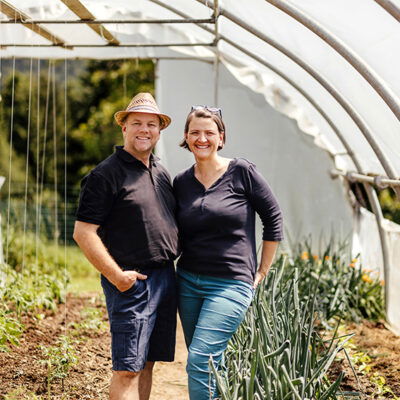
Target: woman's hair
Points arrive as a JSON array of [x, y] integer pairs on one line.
[[204, 113]]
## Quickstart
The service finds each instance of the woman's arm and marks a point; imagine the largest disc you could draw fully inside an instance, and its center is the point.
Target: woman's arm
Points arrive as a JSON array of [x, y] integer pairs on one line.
[[267, 257]]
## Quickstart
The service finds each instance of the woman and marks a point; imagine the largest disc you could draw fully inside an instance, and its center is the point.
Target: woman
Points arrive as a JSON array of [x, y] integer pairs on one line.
[[217, 272]]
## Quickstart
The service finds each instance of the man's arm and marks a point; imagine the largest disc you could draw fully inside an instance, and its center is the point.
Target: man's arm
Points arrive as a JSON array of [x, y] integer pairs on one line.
[[85, 235]]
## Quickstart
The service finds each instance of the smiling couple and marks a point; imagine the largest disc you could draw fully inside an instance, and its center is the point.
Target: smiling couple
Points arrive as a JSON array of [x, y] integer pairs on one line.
[[128, 222]]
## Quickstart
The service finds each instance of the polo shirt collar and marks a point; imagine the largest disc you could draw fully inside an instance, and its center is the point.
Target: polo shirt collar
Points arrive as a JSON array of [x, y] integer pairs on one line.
[[127, 157]]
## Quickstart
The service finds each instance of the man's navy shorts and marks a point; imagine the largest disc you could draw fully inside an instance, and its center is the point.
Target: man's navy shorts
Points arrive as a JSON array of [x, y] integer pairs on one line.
[[142, 319]]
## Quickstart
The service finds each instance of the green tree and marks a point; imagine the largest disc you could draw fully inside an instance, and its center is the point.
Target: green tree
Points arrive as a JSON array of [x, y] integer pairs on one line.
[[104, 88]]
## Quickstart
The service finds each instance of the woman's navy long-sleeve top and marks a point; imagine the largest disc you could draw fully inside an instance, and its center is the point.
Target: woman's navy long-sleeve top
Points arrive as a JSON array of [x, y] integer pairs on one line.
[[217, 225]]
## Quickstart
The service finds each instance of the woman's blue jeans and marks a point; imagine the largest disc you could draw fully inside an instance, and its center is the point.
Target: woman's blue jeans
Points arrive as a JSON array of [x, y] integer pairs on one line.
[[211, 309]]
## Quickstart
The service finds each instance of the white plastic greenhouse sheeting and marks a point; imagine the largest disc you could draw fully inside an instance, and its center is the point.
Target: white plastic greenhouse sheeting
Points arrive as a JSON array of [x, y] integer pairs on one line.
[[366, 241], [362, 25], [295, 164]]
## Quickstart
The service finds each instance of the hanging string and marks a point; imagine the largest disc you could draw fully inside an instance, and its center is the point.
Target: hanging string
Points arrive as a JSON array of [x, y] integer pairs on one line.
[[44, 141], [37, 163], [55, 161], [11, 151], [10, 159], [27, 163], [125, 67], [65, 184]]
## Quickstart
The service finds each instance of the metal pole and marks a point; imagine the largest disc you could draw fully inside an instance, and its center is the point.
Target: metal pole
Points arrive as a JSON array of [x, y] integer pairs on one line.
[[208, 60], [2, 179], [380, 181], [377, 210], [109, 21], [358, 63], [386, 164], [110, 45], [390, 7]]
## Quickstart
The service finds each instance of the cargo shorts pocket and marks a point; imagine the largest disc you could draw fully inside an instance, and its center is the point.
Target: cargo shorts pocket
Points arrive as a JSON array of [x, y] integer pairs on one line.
[[134, 288], [125, 338]]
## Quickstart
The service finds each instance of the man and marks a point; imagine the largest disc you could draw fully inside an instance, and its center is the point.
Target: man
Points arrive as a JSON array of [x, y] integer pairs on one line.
[[126, 228]]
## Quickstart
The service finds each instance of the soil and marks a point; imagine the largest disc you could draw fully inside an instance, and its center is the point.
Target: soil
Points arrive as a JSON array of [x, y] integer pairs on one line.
[[381, 377], [22, 373]]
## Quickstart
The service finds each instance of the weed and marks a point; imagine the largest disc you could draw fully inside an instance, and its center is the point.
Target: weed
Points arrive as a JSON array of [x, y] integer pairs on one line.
[[59, 359], [10, 330], [92, 322], [22, 394]]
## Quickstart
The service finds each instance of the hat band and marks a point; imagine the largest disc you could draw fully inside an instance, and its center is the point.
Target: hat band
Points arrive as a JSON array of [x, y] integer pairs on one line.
[[150, 109]]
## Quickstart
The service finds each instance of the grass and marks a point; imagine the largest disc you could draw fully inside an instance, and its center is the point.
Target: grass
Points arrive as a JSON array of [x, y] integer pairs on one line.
[[83, 276]]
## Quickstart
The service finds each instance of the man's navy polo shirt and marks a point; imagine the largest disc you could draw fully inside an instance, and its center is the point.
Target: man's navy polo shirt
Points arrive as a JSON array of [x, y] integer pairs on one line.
[[135, 208]]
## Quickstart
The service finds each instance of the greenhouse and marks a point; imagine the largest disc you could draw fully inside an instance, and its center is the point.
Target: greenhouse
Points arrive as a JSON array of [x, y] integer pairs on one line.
[[309, 92]]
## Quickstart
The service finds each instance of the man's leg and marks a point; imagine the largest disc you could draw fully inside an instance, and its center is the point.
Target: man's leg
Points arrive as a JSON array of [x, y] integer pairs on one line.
[[125, 385], [145, 381]]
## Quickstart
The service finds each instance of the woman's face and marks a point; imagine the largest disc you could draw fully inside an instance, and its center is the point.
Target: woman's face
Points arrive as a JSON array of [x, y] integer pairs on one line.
[[203, 137]]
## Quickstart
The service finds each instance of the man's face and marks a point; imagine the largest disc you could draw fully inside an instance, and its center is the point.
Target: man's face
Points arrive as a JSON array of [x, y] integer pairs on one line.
[[141, 133]]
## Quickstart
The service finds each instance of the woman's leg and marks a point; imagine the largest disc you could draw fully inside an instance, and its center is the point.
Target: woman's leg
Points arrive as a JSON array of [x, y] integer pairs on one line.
[[190, 302], [222, 311]]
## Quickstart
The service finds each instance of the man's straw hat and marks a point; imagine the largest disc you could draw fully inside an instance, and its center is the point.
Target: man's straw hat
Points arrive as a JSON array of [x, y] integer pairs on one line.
[[143, 103]]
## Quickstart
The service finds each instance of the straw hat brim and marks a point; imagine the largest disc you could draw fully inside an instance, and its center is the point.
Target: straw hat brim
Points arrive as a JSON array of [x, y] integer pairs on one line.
[[121, 115]]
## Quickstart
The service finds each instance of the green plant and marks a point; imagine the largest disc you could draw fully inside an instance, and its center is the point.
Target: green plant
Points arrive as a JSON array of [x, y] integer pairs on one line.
[[277, 353], [343, 288], [22, 393], [35, 277], [10, 330], [31, 290], [381, 389], [92, 322], [390, 205], [59, 359]]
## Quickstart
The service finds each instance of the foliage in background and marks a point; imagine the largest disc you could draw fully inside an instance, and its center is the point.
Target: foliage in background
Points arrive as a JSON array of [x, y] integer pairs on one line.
[[343, 288], [390, 205], [95, 91], [33, 104]]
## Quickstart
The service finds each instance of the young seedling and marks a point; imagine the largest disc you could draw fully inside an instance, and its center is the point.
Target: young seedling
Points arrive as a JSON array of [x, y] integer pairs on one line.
[[58, 359]]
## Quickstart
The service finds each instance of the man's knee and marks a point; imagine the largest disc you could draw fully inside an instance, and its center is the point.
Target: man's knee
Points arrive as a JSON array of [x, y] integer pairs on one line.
[[126, 376]]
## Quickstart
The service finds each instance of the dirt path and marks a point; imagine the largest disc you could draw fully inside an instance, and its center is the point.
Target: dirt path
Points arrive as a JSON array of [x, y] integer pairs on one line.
[[170, 379]]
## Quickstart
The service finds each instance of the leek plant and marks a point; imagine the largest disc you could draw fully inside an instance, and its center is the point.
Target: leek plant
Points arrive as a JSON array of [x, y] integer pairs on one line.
[[343, 289], [277, 353]]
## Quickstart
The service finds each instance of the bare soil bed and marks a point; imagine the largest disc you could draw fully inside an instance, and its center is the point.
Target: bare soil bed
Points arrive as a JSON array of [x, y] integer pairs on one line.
[[22, 375]]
